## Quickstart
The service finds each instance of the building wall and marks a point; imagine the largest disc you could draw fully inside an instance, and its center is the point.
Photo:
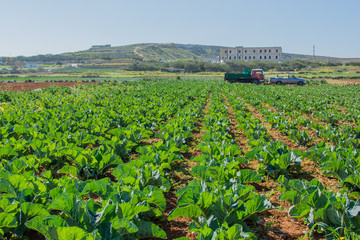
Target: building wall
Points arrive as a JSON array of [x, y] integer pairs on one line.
[[248, 53]]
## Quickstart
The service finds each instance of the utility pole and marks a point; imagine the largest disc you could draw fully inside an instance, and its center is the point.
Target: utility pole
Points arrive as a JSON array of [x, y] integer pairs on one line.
[[313, 52]]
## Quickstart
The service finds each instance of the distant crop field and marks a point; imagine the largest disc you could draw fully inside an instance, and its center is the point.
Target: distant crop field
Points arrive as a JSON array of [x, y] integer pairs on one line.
[[180, 158]]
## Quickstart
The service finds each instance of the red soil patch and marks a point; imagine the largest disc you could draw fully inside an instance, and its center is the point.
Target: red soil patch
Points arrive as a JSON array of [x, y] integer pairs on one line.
[[23, 86]]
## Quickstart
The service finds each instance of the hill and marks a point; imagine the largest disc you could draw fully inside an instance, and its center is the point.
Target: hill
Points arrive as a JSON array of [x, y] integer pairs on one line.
[[148, 51], [142, 51]]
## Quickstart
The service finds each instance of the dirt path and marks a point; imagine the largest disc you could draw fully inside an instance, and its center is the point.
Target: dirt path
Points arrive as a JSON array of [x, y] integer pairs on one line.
[[136, 51]]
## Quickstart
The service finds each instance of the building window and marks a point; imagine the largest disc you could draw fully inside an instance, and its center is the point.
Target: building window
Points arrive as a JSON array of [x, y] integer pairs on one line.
[[269, 57], [239, 51], [277, 50], [264, 50], [230, 51], [229, 57], [260, 51], [260, 57], [269, 50], [254, 50], [276, 57], [264, 57], [254, 57], [225, 51], [245, 57], [234, 57], [245, 51], [249, 57]]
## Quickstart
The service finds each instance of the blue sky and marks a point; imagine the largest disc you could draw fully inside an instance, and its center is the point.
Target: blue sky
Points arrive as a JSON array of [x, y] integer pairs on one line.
[[41, 27]]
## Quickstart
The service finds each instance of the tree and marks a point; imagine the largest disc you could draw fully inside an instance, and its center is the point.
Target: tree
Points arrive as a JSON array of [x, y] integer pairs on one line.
[[10, 61]]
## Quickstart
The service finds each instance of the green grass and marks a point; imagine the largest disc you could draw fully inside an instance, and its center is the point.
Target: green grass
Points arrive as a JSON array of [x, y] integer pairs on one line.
[[82, 70]]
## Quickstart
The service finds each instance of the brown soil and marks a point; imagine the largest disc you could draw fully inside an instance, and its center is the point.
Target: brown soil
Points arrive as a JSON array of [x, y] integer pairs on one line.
[[276, 224], [150, 141], [354, 70], [343, 81], [177, 227], [23, 86], [310, 171]]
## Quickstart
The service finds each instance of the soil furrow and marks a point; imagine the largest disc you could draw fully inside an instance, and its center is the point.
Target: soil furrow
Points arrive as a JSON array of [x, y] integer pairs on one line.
[[310, 131], [274, 224], [181, 176], [309, 168]]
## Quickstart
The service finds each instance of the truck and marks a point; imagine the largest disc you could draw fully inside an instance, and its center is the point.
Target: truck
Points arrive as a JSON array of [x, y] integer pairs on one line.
[[291, 79], [254, 76]]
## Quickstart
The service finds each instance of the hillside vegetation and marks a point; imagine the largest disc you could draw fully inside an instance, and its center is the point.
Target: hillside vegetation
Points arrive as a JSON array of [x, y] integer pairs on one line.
[[143, 51]]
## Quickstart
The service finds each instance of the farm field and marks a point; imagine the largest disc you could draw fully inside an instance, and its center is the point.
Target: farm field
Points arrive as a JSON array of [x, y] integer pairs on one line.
[[24, 86], [180, 159]]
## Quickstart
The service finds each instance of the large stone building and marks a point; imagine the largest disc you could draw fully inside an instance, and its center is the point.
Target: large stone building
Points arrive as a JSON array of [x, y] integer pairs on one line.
[[250, 53]]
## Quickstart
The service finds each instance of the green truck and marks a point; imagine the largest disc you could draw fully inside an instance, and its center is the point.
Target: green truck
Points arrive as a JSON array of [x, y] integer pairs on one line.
[[255, 76]]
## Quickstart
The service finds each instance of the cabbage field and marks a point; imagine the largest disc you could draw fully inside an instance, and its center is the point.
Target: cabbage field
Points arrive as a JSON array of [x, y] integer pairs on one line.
[[180, 159]]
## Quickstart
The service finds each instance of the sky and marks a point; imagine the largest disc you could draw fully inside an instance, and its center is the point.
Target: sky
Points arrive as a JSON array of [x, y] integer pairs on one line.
[[50, 27]]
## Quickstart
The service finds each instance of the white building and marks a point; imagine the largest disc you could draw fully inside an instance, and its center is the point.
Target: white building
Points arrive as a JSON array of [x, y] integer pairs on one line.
[[250, 53]]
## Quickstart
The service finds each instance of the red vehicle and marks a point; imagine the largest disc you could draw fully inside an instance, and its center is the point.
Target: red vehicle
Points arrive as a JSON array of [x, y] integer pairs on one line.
[[258, 74], [255, 76]]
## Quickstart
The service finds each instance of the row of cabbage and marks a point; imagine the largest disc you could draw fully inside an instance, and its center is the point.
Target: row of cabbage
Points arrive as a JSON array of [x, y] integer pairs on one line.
[[332, 104], [220, 200], [337, 153], [335, 214], [67, 167]]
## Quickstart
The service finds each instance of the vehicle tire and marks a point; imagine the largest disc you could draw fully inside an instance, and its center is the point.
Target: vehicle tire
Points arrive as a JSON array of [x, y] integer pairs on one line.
[[278, 83], [300, 83], [256, 82]]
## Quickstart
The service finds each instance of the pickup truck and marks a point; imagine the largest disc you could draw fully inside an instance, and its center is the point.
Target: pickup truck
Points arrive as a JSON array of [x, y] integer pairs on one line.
[[291, 79]]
